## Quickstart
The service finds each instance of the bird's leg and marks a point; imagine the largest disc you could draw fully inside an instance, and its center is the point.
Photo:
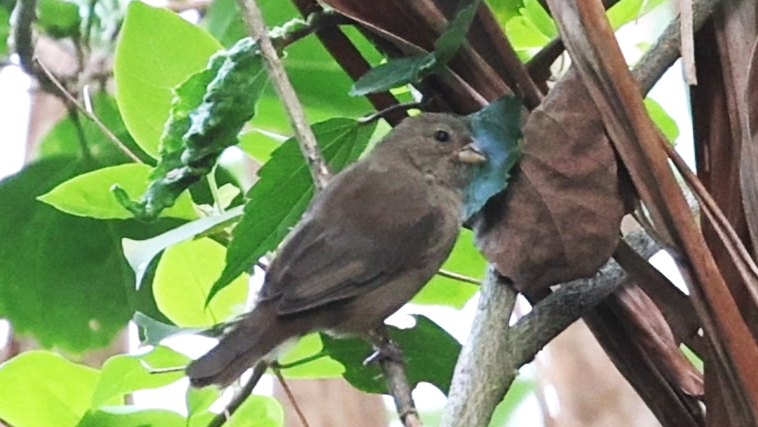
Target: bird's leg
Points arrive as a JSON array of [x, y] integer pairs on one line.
[[390, 359], [384, 348]]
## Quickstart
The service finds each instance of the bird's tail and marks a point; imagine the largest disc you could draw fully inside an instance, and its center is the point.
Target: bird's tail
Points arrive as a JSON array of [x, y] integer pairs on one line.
[[250, 340]]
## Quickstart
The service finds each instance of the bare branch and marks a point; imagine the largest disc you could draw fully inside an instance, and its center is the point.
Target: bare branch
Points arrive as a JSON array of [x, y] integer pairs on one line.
[[666, 50], [22, 33], [253, 17], [482, 374]]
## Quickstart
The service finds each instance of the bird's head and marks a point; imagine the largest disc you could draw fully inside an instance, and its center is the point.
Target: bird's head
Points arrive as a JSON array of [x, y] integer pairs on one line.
[[440, 145]]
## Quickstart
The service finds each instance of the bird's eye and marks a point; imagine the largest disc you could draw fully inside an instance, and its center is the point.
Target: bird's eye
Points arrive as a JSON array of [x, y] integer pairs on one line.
[[442, 136]]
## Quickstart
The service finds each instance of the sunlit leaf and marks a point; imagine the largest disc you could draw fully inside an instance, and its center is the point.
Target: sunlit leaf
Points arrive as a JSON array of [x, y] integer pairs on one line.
[[42, 389]]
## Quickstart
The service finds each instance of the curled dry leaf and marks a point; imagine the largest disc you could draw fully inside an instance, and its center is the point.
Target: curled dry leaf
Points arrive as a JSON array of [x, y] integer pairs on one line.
[[560, 219]]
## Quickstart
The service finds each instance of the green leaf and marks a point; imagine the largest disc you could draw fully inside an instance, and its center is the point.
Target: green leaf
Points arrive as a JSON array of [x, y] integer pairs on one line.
[[89, 194], [519, 390], [154, 331], [258, 411], [131, 416], [42, 389], [394, 73], [207, 114], [139, 253], [259, 145], [156, 51], [184, 277], [504, 10], [309, 346], [281, 195], [497, 133], [538, 16], [435, 367], [5, 30], [224, 21], [63, 277], [526, 38], [455, 34], [466, 260], [199, 401], [64, 137], [124, 374], [58, 18], [662, 119], [627, 11]]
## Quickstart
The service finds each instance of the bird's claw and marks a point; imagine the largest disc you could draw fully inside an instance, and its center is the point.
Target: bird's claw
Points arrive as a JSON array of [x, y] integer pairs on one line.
[[387, 351]]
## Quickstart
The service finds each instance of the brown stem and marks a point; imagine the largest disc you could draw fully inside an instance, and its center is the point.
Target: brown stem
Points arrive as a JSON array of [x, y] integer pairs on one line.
[[253, 17]]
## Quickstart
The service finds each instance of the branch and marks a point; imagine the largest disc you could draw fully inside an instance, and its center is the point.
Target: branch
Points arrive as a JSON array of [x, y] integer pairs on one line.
[[400, 389], [253, 17], [494, 352], [22, 33], [666, 50], [482, 374], [298, 29]]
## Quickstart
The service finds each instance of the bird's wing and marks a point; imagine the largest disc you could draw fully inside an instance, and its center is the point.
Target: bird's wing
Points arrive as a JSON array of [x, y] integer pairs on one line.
[[358, 237]]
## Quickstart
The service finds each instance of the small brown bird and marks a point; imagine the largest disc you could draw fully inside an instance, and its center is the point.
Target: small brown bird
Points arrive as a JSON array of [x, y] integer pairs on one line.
[[368, 242]]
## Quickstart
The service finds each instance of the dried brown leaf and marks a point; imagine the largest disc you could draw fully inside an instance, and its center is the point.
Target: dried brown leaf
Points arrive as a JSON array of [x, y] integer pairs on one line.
[[560, 217]]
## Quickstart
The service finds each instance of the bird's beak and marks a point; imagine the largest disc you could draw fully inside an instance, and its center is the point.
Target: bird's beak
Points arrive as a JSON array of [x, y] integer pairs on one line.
[[471, 154]]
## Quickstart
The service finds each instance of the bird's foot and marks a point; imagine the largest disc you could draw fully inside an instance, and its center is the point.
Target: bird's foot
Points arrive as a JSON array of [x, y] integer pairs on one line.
[[386, 350]]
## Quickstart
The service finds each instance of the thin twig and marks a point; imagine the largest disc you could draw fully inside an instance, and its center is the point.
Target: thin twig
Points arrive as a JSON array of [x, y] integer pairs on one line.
[[299, 362], [460, 277], [258, 370], [382, 113], [290, 396], [316, 21], [73, 101], [308, 145]]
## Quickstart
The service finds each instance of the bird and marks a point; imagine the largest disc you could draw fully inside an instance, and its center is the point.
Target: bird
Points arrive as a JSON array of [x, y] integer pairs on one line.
[[367, 243]]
